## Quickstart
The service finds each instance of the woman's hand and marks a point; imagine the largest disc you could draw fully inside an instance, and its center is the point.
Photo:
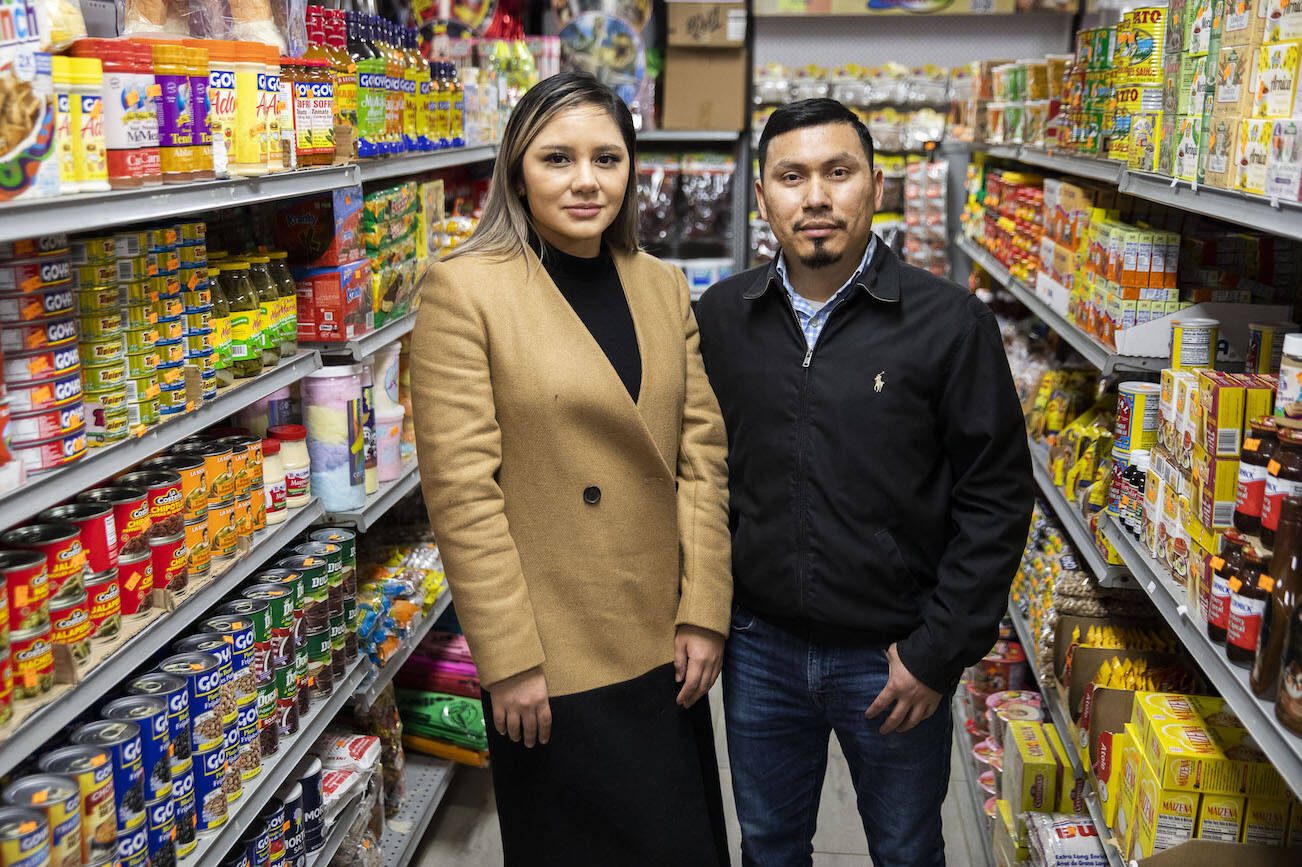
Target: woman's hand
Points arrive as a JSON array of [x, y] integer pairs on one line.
[[698, 658], [521, 709]]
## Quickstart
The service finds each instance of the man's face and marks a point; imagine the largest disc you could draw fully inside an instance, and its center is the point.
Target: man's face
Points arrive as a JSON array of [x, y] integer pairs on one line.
[[819, 193]]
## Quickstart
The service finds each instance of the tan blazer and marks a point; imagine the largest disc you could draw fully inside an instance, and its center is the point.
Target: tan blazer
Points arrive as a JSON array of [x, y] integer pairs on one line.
[[521, 422]]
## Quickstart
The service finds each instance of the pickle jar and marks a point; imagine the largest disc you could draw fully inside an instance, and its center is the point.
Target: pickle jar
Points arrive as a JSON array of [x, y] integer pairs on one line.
[[246, 318]]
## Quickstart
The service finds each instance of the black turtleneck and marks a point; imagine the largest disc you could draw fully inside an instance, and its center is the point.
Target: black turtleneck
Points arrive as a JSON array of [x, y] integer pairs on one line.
[[593, 288]]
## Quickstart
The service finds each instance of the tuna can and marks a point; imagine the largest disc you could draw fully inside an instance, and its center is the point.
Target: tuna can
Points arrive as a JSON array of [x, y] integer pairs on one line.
[[141, 314], [121, 740], [135, 582], [172, 350], [133, 847], [24, 838], [53, 244], [108, 350], [208, 380], [130, 510], [91, 770], [169, 307], [197, 298], [83, 250], [138, 292], [194, 481], [6, 685], [105, 598], [70, 624], [219, 469], [94, 275], [166, 498], [170, 560], [172, 403], [112, 400], [238, 857], [32, 656], [193, 258], [107, 427], [171, 690], [95, 299], [1193, 343], [205, 361], [238, 632], [203, 677], [196, 542], [131, 242], [193, 234], [172, 328], [43, 334], [150, 714], [222, 536], [198, 341], [145, 411], [51, 454], [60, 542], [143, 363], [248, 758], [170, 285], [162, 832], [183, 782], [39, 364], [273, 817], [59, 802], [141, 339], [28, 589], [292, 796], [136, 269], [172, 395], [50, 303], [216, 647], [103, 377], [98, 529], [49, 394], [97, 326]]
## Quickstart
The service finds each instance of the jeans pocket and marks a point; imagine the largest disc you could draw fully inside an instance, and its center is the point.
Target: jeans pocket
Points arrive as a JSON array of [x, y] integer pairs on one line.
[[742, 620]]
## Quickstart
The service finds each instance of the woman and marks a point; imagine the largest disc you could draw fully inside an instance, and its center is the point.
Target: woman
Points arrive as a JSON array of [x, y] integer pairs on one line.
[[572, 457]]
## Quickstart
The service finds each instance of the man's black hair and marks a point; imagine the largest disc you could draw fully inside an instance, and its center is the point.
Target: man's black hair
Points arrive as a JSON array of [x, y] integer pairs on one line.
[[811, 112]]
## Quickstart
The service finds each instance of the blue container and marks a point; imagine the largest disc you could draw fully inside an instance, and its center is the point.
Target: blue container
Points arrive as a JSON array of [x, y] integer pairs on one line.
[[150, 714], [123, 743]]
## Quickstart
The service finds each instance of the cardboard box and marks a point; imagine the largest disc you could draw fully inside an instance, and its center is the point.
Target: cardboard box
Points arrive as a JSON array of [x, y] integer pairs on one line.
[[1208, 853], [1277, 78], [1007, 849], [705, 24], [1260, 778], [1221, 399], [1197, 80], [705, 88], [1235, 77], [1115, 750], [1245, 22], [1188, 138], [334, 303], [1283, 21], [1183, 757], [1284, 166], [1252, 155], [1265, 821], [1220, 817], [322, 231], [1071, 788], [1032, 771], [1164, 817], [1218, 163]]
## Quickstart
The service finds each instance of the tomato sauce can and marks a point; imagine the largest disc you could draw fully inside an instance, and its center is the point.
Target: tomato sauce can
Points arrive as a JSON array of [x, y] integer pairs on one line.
[[150, 714], [166, 498], [91, 769], [48, 394], [70, 624], [24, 838], [99, 533], [130, 509], [196, 542], [222, 534], [47, 424], [33, 662], [183, 798], [59, 801], [171, 690], [42, 334], [171, 562], [133, 847], [37, 364], [105, 598], [60, 542], [135, 582], [48, 303], [28, 588], [203, 678], [122, 741], [162, 832], [210, 803], [51, 454], [6, 685]]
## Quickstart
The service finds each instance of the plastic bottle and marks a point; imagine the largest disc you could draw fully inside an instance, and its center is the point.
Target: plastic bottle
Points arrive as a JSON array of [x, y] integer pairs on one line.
[[425, 104], [442, 88], [457, 119], [290, 73], [411, 95], [90, 148], [1225, 568], [221, 324], [250, 132], [268, 308], [67, 121], [321, 89], [176, 114], [395, 69], [200, 100], [221, 101], [344, 71], [130, 110], [370, 88]]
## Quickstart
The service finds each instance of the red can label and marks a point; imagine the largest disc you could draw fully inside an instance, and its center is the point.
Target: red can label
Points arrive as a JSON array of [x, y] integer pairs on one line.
[[29, 595], [137, 581], [165, 501], [132, 520], [105, 604], [170, 559], [71, 625]]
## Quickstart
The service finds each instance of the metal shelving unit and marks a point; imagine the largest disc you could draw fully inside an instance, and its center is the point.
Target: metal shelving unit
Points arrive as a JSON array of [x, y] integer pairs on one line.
[[975, 792], [368, 344], [53, 487], [428, 779], [336, 833], [1098, 355], [379, 503], [414, 164], [686, 136], [49, 720], [1283, 747], [1107, 171], [369, 692], [1072, 520]]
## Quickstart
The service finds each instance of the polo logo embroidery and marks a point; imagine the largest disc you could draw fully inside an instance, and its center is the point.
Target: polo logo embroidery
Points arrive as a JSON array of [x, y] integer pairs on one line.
[[879, 382]]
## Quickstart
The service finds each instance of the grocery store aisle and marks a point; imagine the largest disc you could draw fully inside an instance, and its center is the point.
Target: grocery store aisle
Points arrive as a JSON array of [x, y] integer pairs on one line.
[[464, 832]]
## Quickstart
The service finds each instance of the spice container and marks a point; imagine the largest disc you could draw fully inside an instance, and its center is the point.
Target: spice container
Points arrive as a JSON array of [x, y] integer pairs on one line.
[[295, 458], [197, 69], [268, 96], [250, 154], [176, 117], [130, 113], [335, 442], [222, 120], [90, 147], [67, 120]]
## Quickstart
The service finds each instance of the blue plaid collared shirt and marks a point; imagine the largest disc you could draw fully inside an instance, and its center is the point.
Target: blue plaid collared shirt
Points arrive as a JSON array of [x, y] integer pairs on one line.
[[810, 316]]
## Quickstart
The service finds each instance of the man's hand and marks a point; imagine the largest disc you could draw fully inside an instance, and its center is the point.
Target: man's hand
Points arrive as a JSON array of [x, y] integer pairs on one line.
[[521, 709], [914, 700], [698, 658]]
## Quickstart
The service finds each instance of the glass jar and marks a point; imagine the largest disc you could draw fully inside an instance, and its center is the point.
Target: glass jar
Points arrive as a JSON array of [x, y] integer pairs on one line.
[[1248, 597], [273, 482], [221, 329], [1283, 479], [288, 291], [246, 318], [1258, 449], [1225, 568], [1285, 588], [269, 308], [1288, 394], [296, 462]]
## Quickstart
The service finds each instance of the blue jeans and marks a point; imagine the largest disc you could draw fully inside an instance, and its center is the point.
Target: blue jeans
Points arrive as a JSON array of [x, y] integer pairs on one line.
[[783, 696]]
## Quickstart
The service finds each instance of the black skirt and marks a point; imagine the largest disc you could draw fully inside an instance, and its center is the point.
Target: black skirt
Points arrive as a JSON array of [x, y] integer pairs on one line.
[[629, 779]]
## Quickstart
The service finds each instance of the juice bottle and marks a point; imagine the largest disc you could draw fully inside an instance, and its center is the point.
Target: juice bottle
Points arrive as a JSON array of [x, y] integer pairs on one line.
[[411, 78], [442, 88]]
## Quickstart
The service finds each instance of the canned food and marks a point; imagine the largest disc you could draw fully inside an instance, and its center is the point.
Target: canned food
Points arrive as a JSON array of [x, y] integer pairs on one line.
[[103, 377], [147, 410], [280, 609], [91, 769], [291, 794], [122, 741], [257, 845], [105, 599], [108, 427], [135, 581], [186, 820], [150, 714], [40, 364], [44, 455], [1266, 346], [273, 819], [244, 516], [141, 389], [133, 847], [46, 424], [216, 647], [210, 803], [58, 800], [171, 377], [162, 832], [1193, 343], [60, 542], [83, 250], [166, 498], [171, 329], [42, 334], [194, 258], [170, 560], [130, 511], [49, 394], [112, 400], [27, 579], [24, 838], [34, 275], [52, 244], [170, 307], [102, 324], [131, 242], [196, 542], [218, 468], [239, 633], [173, 399], [108, 350], [94, 299], [198, 318], [140, 292], [347, 542], [95, 275], [99, 533], [198, 341], [171, 690], [248, 758], [206, 363], [70, 624], [316, 589], [45, 304], [203, 676], [136, 268], [6, 685], [223, 535], [192, 232], [169, 285], [198, 298], [332, 554], [1136, 424], [320, 677], [4, 625], [143, 363], [232, 783], [141, 314], [32, 656], [268, 732], [194, 480], [208, 381], [141, 339]]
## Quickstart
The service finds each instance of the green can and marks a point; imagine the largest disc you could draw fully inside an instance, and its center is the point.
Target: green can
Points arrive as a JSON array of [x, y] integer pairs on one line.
[[137, 268], [103, 351], [192, 232], [141, 314], [319, 647], [314, 575], [110, 400], [350, 613], [345, 539], [95, 274], [99, 299], [103, 324], [103, 377], [337, 632], [140, 364], [139, 291], [291, 579], [169, 308], [199, 297], [141, 339], [268, 693], [147, 410], [279, 602], [142, 388], [198, 319], [333, 555]]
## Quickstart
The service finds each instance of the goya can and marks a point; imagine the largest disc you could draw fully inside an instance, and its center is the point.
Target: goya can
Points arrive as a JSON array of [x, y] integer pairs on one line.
[[47, 394], [28, 589], [248, 761], [273, 817], [185, 810], [215, 646], [37, 364], [257, 843], [47, 424], [218, 467], [35, 273], [130, 510], [203, 680], [258, 614], [150, 714], [24, 838], [65, 559], [239, 632], [105, 599], [196, 542], [59, 801], [51, 454], [133, 847], [223, 535], [135, 582], [232, 784], [172, 690], [162, 832], [98, 528], [51, 303], [91, 769], [32, 656], [70, 624], [171, 562], [121, 740], [53, 244], [166, 498], [42, 334]]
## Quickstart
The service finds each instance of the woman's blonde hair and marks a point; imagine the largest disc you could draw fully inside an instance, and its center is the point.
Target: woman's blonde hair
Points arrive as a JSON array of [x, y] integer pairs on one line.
[[505, 227]]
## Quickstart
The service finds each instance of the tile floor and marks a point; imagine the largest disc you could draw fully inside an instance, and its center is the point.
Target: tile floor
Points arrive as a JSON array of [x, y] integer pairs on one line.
[[464, 832]]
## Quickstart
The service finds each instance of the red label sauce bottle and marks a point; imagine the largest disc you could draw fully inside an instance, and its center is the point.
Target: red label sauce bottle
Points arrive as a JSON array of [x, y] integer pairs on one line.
[[1248, 595], [1250, 495], [1286, 574]]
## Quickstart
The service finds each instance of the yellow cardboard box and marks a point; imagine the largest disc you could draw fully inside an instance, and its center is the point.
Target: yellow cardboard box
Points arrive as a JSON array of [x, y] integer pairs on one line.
[[1265, 821], [1032, 770], [1277, 77], [1116, 753], [1071, 788], [1252, 155], [1164, 817], [1184, 757], [1260, 779], [1220, 817]]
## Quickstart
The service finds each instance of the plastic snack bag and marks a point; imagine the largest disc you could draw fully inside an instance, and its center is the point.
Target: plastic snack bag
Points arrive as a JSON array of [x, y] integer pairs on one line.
[[60, 22], [1059, 840]]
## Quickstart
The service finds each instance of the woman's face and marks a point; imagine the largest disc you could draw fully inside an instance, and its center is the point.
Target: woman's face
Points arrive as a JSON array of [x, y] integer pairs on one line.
[[575, 173]]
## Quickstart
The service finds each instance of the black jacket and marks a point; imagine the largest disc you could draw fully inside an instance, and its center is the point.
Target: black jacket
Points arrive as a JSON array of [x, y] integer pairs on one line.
[[881, 486]]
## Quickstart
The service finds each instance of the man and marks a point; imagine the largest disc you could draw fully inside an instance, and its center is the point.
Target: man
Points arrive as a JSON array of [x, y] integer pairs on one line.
[[880, 496]]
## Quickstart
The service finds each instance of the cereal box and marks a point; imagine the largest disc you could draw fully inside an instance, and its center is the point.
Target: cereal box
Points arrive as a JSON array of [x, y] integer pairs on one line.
[[1189, 133], [1265, 821], [1277, 74], [1220, 817], [1031, 769], [1252, 154]]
